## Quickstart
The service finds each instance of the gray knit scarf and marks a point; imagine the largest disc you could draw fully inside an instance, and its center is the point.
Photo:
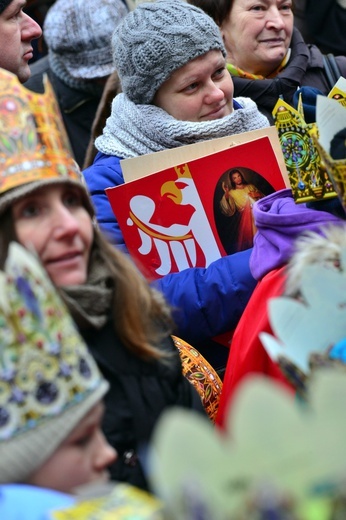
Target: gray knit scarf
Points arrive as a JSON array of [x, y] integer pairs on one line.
[[133, 130]]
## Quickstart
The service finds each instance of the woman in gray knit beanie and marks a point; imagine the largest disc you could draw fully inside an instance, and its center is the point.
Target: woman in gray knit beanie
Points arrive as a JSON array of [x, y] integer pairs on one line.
[[170, 59]]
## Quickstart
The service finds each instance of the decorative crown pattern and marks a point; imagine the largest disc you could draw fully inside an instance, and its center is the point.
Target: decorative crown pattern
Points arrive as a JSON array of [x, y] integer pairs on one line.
[[33, 140], [307, 174], [45, 367]]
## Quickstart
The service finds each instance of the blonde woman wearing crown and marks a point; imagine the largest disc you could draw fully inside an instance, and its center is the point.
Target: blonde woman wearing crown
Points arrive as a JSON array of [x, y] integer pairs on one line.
[[126, 324]]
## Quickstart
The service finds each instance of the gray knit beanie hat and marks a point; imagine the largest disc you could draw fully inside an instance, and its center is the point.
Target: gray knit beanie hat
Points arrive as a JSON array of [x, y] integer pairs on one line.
[[157, 38], [78, 34]]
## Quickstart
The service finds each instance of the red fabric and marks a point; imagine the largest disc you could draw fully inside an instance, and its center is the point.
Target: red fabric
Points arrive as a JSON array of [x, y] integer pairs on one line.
[[247, 355]]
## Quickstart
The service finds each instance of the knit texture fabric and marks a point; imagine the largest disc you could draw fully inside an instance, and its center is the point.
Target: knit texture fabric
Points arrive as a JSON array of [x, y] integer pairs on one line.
[[90, 304], [134, 130], [158, 38], [9, 197], [58, 66], [78, 34]]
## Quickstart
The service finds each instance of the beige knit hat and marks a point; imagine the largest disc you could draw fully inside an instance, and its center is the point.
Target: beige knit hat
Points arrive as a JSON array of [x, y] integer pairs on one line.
[[34, 148], [48, 380]]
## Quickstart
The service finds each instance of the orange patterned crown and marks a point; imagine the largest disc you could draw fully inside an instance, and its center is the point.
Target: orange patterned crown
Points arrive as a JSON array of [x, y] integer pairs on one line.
[[33, 140]]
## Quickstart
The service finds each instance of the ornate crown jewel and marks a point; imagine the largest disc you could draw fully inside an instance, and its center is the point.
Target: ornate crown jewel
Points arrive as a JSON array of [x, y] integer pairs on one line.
[[33, 140], [307, 174], [45, 367], [313, 175]]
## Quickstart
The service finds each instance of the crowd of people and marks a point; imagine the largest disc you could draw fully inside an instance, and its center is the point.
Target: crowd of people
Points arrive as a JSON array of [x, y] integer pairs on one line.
[[89, 362]]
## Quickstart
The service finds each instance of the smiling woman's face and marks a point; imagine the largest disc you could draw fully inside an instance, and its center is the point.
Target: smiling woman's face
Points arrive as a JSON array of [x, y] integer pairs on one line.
[[54, 222], [201, 90], [257, 34]]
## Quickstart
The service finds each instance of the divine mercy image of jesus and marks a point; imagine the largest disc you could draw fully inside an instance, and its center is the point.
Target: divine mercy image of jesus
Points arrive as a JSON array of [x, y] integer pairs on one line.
[[237, 191]]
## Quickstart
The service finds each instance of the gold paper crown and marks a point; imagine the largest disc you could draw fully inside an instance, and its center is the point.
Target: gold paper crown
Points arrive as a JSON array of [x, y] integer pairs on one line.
[[307, 173], [33, 140], [338, 94]]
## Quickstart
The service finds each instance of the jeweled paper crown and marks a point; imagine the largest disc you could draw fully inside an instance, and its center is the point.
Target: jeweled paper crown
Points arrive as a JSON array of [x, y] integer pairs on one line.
[[48, 380], [313, 175], [33, 139], [307, 174]]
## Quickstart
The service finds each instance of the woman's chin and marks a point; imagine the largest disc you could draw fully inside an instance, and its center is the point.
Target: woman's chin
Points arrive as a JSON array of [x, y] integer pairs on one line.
[[66, 279]]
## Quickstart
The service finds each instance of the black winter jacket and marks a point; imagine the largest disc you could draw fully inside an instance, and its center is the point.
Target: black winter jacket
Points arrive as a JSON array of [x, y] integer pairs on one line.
[[78, 108], [139, 392]]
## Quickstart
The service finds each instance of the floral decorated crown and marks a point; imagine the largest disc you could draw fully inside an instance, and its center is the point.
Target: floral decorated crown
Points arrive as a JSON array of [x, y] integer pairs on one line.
[[48, 380]]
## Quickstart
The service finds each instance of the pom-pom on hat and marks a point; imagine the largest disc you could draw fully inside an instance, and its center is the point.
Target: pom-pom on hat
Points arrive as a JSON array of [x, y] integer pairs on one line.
[[157, 38], [48, 379], [79, 33]]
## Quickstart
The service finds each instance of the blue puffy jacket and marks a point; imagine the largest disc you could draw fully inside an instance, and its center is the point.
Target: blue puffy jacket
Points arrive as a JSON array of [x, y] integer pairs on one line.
[[208, 301], [23, 502]]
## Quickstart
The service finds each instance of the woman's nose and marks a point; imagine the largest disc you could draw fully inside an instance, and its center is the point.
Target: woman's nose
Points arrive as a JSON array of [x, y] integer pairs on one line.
[[214, 94], [64, 222], [274, 19]]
